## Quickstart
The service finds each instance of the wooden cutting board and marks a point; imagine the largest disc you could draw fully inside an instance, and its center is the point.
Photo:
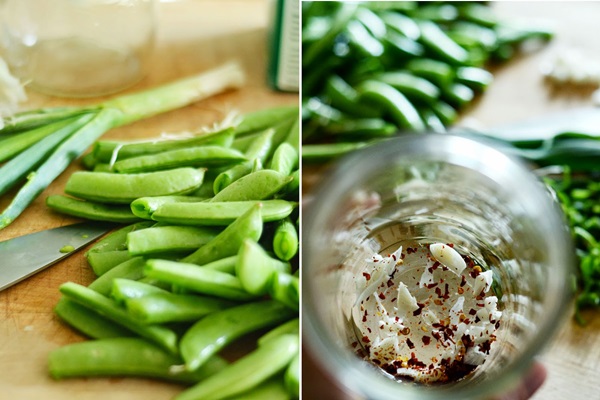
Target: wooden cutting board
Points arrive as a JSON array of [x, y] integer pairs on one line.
[[520, 92], [193, 36]]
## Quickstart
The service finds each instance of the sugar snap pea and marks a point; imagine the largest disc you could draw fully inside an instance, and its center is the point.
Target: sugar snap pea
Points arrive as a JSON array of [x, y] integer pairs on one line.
[[285, 288], [259, 149], [475, 78], [201, 156], [88, 321], [124, 357], [105, 151], [458, 95], [197, 279], [292, 376], [402, 23], [258, 185], [363, 41], [255, 267], [144, 207], [248, 225], [413, 87], [165, 307], [124, 289], [436, 40], [264, 119], [169, 240], [160, 335], [438, 72], [285, 159], [285, 240], [129, 269], [91, 210], [212, 333], [220, 213], [124, 188], [290, 327], [315, 153], [402, 112], [345, 98], [273, 389], [103, 261], [247, 372]]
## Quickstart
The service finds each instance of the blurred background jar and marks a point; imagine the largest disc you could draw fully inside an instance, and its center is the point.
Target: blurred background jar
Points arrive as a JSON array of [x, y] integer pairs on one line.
[[77, 48]]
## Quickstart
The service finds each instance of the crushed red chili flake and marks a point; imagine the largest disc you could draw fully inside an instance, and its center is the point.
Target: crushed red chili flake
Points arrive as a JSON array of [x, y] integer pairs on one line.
[[390, 283], [367, 275], [426, 340], [354, 344], [472, 311], [366, 339], [410, 250], [381, 296], [410, 344], [431, 285], [463, 281]]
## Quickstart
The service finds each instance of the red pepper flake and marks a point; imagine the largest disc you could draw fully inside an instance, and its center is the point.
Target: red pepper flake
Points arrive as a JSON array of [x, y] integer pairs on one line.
[[418, 310], [394, 299], [382, 326], [480, 304], [367, 275], [438, 291], [497, 324], [381, 296], [366, 339], [426, 340], [461, 290], [397, 318], [437, 302], [405, 330], [463, 281], [394, 257], [410, 344], [437, 336], [472, 311], [390, 283], [431, 285], [410, 250], [354, 344], [467, 340]]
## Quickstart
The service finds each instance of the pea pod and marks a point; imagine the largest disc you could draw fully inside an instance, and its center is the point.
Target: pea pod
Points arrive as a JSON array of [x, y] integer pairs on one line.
[[272, 389], [217, 330], [130, 269], [160, 335], [107, 151], [264, 119], [255, 267], [248, 371], [259, 149], [258, 185], [285, 240], [165, 307], [197, 279], [220, 213], [104, 261], [124, 357], [169, 240], [124, 188], [437, 41], [248, 226], [292, 377], [413, 87], [286, 289], [290, 327], [401, 111], [201, 156], [124, 289], [144, 207], [88, 322], [345, 98], [285, 159], [116, 240], [91, 210]]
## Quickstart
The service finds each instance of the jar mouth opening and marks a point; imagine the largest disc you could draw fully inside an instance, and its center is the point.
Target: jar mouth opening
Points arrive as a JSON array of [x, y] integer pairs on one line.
[[453, 149]]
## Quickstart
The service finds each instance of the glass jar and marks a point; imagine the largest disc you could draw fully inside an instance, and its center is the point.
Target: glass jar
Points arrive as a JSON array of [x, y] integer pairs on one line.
[[435, 188], [77, 48]]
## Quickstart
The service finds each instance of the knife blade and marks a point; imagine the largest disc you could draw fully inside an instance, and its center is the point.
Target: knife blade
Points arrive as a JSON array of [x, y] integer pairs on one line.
[[23, 256]]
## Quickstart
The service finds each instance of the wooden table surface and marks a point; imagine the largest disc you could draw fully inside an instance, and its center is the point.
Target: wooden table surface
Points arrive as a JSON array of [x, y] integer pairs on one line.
[[520, 92], [193, 36]]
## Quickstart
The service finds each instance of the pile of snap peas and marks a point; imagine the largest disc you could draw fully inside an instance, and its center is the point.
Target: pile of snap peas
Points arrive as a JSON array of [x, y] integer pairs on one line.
[[206, 253], [579, 199], [373, 69]]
